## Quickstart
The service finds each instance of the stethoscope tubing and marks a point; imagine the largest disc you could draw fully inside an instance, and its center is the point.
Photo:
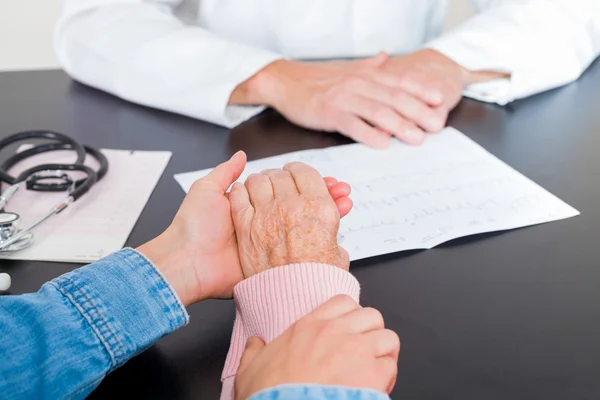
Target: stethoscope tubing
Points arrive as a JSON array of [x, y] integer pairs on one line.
[[77, 188]]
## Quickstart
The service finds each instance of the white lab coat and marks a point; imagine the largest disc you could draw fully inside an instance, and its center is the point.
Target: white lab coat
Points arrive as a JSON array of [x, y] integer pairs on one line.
[[141, 51]]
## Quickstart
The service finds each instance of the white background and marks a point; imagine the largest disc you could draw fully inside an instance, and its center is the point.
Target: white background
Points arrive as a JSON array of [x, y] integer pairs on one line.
[[26, 31]]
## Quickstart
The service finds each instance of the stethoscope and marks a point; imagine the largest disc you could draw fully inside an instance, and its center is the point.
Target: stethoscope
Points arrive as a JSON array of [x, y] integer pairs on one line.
[[43, 178]]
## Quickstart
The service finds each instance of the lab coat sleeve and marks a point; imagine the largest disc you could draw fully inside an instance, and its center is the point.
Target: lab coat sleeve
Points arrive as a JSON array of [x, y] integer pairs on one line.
[[140, 51], [543, 44]]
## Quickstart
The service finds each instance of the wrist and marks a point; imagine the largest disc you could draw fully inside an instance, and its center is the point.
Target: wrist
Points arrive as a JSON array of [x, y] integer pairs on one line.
[[464, 73], [169, 258], [484, 76], [469, 77], [264, 87]]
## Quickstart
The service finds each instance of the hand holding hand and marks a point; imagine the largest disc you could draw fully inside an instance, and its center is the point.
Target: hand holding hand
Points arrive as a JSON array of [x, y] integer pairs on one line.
[[339, 343], [198, 253], [286, 216]]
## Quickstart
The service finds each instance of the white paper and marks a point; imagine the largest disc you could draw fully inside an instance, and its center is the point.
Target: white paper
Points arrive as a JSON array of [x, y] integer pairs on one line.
[[417, 197], [100, 222]]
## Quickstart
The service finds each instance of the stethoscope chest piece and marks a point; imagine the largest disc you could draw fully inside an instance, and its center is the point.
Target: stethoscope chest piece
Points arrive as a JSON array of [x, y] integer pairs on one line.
[[8, 229]]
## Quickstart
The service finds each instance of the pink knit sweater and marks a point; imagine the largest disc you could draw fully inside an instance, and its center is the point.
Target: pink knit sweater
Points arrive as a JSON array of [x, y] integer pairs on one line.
[[270, 302]]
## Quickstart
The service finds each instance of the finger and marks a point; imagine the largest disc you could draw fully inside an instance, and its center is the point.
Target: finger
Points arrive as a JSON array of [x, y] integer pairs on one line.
[[442, 113], [382, 116], [330, 181], [414, 110], [388, 372], [414, 83], [383, 342], [339, 189], [308, 180], [376, 61], [241, 209], [402, 102], [282, 182], [392, 383], [334, 308], [339, 192], [410, 133], [260, 190], [226, 173], [344, 206], [254, 345], [405, 130], [362, 320], [355, 128]]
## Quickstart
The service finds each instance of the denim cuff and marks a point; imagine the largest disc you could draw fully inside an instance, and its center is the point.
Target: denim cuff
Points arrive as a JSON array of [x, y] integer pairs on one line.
[[317, 392], [127, 301]]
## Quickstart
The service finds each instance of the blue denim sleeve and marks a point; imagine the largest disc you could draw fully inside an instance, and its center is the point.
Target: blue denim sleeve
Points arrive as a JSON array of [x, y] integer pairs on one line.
[[63, 340], [317, 392]]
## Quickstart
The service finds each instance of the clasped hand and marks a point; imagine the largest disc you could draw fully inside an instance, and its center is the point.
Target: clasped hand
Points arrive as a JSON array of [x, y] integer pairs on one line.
[[278, 217], [370, 100], [281, 217]]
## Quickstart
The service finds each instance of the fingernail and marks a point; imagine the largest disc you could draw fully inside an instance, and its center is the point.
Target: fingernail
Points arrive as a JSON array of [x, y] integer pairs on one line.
[[415, 136], [236, 154], [437, 97], [381, 142]]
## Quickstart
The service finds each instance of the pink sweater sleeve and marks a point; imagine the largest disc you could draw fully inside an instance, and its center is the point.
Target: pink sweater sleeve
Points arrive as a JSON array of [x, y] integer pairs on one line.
[[270, 302]]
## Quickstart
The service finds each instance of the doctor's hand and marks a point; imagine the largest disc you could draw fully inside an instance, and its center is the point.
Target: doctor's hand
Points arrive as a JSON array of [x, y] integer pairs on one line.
[[198, 253], [360, 99], [286, 216], [339, 343], [436, 80]]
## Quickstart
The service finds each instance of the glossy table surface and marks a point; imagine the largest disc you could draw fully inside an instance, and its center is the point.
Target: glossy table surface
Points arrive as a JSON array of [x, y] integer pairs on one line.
[[510, 315]]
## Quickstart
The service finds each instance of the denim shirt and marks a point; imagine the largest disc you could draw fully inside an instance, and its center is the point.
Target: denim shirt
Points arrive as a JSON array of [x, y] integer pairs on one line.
[[63, 340]]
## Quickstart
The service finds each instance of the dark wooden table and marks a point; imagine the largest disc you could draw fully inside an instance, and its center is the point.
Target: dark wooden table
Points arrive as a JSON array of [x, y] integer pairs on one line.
[[512, 315]]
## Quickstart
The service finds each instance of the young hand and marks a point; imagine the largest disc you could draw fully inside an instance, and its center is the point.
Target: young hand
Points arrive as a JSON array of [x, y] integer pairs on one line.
[[339, 343]]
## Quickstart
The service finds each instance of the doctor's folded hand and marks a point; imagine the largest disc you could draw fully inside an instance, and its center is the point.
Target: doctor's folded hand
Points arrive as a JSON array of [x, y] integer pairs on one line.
[[360, 99], [63, 340], [224, 61], [370, 100]]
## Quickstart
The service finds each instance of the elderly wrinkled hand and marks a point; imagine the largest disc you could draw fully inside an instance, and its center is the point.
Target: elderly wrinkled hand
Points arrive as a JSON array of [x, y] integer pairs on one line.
[[286, 216], [198, 253]]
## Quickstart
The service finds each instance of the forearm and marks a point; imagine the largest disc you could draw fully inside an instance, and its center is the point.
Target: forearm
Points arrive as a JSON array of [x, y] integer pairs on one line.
[[63, 340], [141, 52], [270, 302]]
